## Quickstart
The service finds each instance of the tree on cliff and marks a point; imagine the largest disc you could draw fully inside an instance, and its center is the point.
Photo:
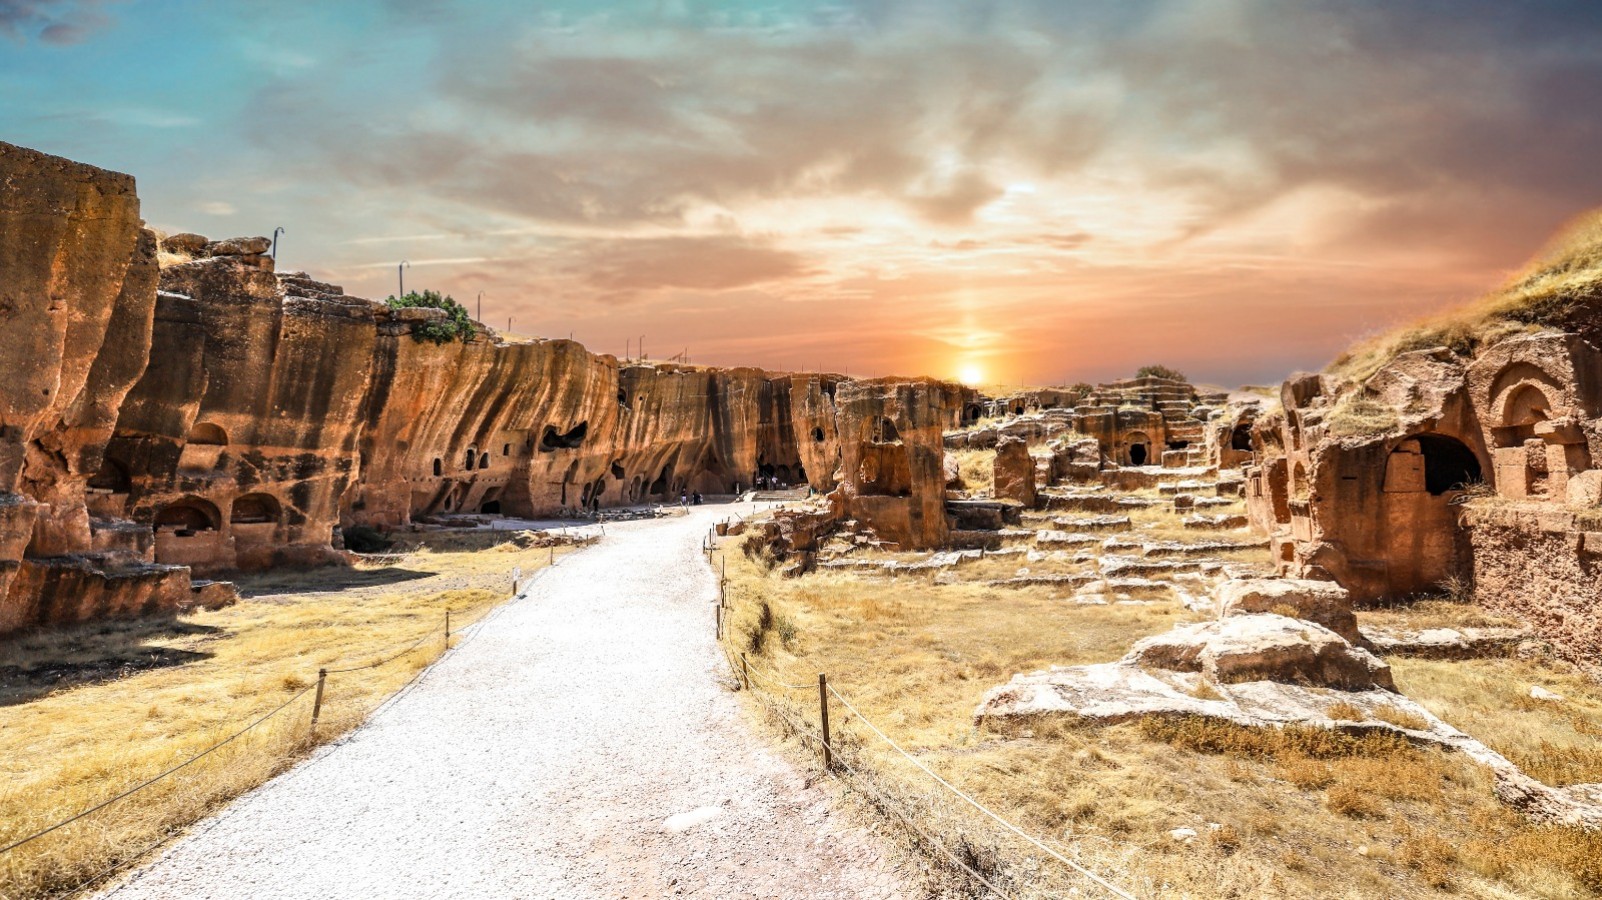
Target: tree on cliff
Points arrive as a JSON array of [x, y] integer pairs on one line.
[[457, 326], [1160, 372]]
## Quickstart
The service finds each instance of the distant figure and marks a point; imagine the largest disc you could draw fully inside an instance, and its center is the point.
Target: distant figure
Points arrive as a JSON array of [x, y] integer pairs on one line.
[[696, 499], [684, 499]]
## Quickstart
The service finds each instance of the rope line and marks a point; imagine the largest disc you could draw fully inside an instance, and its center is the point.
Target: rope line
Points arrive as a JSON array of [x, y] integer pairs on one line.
[[864, 784], [418, 643], [141, 786], [1113, 889]]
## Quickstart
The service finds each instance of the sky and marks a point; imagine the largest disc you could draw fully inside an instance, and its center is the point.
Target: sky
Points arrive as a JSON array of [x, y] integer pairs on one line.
[[1015, 192]]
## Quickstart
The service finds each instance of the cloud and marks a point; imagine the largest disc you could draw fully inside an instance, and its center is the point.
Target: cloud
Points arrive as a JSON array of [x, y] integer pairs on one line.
[[59, 22]]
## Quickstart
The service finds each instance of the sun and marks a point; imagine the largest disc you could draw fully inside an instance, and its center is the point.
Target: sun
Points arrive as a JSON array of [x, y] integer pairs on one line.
[[971, 375]]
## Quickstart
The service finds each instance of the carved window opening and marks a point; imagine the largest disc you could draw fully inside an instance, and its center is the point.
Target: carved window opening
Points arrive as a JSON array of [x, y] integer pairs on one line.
[[439, 467]]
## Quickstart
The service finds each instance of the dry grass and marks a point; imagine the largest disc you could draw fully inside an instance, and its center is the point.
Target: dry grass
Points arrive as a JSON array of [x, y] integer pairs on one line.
[[978, 468], [89, 712], [1550, 292], [1291, 807]]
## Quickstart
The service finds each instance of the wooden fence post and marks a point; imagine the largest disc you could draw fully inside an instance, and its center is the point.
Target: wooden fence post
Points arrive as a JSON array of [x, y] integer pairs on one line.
[[745, 672], [823, 718], [317, 704], [447, 627]]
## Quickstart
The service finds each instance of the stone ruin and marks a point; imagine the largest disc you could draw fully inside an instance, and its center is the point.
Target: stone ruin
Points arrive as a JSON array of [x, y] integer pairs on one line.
[[1137, 422], [215, 415], [1440, 472]]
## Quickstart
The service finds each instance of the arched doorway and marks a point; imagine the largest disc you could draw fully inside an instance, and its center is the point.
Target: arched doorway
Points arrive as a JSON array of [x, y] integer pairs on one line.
[[1137, 449]]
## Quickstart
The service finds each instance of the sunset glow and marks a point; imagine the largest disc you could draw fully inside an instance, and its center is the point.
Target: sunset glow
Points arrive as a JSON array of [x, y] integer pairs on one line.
[[1054, 189]]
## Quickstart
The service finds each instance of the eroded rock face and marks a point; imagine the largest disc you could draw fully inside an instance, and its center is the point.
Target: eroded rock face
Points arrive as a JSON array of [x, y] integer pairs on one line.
[[77, 297], [237, 417]]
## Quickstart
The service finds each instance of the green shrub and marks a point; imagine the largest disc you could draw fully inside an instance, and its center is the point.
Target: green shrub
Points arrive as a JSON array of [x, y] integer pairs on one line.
[[365, 539], [1160, 372], [458, 326]]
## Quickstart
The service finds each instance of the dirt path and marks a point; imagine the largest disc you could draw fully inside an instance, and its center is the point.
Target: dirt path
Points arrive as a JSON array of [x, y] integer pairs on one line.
[[578, 746]]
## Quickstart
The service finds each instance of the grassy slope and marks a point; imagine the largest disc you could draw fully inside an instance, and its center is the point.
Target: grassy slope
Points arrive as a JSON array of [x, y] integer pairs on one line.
[[1561, 288]]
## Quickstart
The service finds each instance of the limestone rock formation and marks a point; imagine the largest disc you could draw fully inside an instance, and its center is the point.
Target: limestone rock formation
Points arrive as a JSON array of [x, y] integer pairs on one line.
[[231, 417], [1014, 474], [77, 297]]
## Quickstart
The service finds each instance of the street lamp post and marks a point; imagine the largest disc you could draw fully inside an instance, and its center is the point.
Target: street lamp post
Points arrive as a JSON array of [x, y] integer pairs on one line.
[[276, 232], [400, 273]]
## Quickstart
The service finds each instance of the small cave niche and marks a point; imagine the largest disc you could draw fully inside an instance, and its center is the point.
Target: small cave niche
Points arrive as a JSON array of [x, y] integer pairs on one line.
[[817, 434], [1241, 437], [484, 460], [208, 434], [663, 482], [439, 467], [622, 398], [617, 469], [188, 516], [490, 507], [506, 449], [572, 439], [255, 509], [472, 457]]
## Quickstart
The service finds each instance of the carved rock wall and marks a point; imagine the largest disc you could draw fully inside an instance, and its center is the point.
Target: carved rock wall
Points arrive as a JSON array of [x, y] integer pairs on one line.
[[237, 418]]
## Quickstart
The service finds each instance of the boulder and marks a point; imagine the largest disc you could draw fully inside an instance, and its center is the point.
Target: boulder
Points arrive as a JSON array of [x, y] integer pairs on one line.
[[185, 242], [1264, 648], [1323, 602], [1014, 477], [240, 246]]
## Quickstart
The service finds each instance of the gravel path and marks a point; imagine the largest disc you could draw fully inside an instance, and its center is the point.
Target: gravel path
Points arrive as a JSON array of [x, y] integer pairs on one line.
[[579, 746]]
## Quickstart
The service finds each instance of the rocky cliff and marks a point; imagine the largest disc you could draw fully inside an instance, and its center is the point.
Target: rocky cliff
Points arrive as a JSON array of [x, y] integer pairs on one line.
[[217, 415]]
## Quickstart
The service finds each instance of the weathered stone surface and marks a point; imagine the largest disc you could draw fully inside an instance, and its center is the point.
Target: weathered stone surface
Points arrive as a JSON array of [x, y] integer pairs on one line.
[[1014, 477], [1264, 647], [1324, 602]]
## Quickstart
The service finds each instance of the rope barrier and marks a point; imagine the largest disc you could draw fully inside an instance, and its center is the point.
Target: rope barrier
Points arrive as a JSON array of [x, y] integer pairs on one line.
[[1113, 889], [496, 607], [141, 786], [418, 643], [748, 668], [865, 784]]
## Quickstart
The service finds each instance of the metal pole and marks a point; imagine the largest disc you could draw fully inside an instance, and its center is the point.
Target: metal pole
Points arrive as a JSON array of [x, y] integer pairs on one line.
[[481, 306], [317, 704], [400, 273], [823, 718], [447, 628], [276, 232]]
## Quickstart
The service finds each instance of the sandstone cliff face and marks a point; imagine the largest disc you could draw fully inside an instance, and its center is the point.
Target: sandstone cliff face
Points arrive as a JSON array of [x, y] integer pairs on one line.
[[76, 298], [236, 418]]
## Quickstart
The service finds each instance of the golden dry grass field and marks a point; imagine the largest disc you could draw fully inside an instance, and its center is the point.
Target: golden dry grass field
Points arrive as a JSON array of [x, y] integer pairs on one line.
[[89, 712], [1277, 814]]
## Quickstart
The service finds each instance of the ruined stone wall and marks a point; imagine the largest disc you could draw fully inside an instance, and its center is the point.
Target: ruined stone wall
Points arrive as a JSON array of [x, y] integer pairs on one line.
[[1539, 565]]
